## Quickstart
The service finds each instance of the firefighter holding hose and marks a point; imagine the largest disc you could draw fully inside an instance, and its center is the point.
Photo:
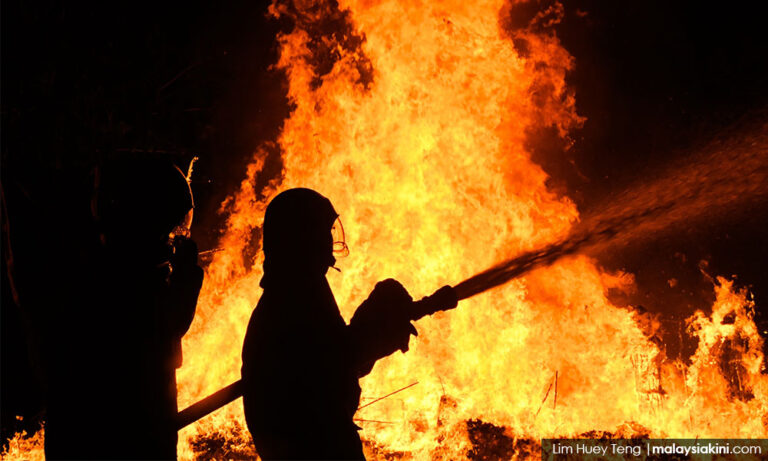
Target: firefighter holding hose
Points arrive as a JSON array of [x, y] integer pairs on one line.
[[301, 361]]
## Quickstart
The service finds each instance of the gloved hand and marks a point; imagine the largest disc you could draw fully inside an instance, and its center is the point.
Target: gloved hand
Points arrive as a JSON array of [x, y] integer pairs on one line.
[[383, 320], [180, 296]]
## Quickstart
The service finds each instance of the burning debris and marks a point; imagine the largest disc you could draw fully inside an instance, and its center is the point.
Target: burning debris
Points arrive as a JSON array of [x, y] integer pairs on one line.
[[231, 442]]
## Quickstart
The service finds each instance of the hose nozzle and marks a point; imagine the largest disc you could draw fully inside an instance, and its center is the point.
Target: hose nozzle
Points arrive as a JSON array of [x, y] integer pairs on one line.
[[442, 300]]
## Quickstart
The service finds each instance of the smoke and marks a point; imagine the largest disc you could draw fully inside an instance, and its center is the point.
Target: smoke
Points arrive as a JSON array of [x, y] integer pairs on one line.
[[728, 175]]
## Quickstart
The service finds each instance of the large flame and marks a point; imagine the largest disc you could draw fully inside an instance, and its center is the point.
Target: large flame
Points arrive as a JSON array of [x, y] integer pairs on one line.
[[417, 134]]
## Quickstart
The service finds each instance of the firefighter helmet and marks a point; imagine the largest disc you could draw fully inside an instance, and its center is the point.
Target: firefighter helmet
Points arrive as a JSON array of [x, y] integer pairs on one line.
[[142, 199], [300, 225]]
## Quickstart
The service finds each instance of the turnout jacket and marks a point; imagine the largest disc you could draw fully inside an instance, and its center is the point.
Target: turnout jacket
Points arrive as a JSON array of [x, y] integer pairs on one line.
[[301, 364]]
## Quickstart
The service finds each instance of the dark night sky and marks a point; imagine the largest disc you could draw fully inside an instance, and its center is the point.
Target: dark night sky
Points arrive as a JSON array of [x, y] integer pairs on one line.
[[83, 80], [656, 79]]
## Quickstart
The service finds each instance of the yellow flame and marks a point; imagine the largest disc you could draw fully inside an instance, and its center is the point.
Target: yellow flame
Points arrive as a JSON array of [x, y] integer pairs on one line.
[[26, 447], [426, 161], [428, 167]]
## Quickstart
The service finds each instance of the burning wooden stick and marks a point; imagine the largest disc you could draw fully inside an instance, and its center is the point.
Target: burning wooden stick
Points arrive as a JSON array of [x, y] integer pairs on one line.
[[554, 406], [231, 393], [549, 388], [388, 395]]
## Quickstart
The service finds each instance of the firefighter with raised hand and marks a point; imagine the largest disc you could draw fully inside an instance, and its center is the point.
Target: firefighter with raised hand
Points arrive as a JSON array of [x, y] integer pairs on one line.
[[301, 361], [114, 354]]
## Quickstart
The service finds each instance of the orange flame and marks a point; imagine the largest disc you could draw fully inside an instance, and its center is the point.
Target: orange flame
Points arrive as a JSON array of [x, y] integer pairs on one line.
[[425, 159], [417, 134]]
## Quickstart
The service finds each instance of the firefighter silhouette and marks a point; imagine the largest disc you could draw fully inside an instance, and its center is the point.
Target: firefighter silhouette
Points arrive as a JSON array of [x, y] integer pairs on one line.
[[301, 361], [115, 345]]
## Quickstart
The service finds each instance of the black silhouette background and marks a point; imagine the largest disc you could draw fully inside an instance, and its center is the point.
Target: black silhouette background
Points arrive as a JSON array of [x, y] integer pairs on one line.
[[84, 81]]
